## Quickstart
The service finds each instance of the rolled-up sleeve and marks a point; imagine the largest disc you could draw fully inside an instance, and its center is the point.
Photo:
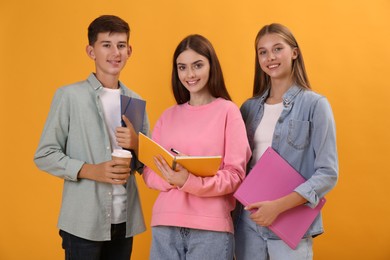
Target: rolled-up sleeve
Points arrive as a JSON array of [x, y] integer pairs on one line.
[[50, 155], [325, 161]]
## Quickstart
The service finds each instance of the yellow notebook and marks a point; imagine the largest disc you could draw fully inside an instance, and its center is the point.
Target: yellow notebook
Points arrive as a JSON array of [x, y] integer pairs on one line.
[[198, 165]]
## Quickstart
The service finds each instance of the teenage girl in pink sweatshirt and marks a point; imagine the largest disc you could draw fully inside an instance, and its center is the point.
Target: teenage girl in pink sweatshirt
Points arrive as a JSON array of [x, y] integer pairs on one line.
[[192, 215]]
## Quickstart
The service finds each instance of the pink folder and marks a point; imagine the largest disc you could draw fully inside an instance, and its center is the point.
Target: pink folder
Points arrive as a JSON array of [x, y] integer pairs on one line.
[[271, 178]]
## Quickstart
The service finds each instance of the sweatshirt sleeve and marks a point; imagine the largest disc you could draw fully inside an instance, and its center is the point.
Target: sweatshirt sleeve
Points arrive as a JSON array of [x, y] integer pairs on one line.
[[50, 155], [236, 156]]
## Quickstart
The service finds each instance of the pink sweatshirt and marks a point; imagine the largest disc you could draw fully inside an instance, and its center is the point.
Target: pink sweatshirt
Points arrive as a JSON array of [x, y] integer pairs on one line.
[[202, 203]]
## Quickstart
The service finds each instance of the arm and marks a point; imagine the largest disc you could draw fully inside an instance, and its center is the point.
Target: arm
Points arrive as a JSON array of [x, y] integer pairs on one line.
[[265, 212], [50, 156], [235, 157], [152, 179], [51, 153], [127, 138], [325, 167], [325, 173]]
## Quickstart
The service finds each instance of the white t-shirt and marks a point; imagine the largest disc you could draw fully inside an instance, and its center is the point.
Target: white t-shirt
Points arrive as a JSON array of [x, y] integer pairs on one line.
[[265, 130], [110, 99]]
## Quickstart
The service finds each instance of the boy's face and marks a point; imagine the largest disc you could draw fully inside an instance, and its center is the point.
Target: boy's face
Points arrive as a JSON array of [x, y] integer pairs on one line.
[[110, 53]]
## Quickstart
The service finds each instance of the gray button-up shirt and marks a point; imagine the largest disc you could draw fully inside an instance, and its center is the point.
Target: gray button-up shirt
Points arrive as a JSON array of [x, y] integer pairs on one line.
[[74, 134]]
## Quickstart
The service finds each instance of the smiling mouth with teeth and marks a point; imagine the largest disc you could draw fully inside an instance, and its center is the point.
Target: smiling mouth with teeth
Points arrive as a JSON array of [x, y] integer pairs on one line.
[[273, 66]]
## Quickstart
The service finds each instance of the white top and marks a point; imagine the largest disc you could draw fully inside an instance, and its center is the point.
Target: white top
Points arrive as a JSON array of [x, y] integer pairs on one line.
[[265, 130], [111, 104]]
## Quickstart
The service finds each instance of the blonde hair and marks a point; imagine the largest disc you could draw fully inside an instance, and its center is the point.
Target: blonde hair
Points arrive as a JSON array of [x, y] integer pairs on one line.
[[262, 81]]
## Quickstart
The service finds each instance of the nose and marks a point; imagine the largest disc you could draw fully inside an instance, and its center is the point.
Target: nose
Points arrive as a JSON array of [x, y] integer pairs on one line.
[[270, 56], [191, 73], [116, 50]]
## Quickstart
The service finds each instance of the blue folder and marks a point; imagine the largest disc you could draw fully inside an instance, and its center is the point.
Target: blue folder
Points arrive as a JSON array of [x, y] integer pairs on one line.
[[134, 110]]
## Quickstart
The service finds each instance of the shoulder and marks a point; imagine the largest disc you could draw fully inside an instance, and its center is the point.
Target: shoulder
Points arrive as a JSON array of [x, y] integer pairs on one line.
[[253, 101], [227, 104], [171, 110], [312, 97], [76, 90], [315, 102], [251, 105]]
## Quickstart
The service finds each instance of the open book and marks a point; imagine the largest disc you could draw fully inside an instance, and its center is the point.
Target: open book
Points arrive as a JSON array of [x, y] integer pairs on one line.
[[198, 165]]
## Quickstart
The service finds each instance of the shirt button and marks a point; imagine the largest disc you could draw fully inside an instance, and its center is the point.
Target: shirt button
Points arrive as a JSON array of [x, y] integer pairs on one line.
[[108, 215], [108, 147], [109, 193]]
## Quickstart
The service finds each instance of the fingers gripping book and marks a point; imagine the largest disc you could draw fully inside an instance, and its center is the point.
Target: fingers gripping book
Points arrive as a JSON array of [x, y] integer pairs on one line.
[[203, 166]]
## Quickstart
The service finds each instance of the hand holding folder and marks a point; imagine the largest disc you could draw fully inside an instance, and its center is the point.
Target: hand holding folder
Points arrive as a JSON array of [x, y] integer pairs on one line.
[[198, 165], [134, 110], [272, 178]]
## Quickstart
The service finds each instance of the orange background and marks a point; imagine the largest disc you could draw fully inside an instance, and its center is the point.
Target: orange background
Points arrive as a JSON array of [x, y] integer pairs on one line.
[[346, 49]]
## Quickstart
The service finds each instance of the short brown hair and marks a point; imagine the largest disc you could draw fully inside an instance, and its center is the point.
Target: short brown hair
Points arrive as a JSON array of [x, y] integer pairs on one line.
[[107, 23]]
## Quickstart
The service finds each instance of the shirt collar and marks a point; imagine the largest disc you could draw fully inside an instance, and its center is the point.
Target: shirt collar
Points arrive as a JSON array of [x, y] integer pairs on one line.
[[291, 93], [97, 85], [288, 97]]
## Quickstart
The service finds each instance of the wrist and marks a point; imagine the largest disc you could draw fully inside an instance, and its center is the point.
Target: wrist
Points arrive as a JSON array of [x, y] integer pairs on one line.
[[84, 171]]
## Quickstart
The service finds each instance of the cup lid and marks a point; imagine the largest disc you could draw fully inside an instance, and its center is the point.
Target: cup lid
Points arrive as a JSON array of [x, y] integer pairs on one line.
[[121, 153]]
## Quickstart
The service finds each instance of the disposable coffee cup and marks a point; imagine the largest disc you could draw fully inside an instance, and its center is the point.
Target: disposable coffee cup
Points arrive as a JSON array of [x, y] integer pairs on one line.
[[122, 156]]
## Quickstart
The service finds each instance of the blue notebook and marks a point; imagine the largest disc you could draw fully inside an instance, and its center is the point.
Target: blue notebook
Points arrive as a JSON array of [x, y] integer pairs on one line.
[[134, 110]]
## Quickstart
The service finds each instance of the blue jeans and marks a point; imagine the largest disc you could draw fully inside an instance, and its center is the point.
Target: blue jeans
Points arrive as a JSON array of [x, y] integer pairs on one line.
[[118, 248], [251, 244], [171, 243]]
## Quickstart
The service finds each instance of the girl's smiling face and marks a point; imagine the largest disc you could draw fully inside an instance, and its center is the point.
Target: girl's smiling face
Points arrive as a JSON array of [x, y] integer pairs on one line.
[[275, 56], [193, 71]]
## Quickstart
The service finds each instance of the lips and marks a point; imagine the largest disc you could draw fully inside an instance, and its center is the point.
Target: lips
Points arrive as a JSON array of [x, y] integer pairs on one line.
[[192, 82], [273, 66], [114, 62]]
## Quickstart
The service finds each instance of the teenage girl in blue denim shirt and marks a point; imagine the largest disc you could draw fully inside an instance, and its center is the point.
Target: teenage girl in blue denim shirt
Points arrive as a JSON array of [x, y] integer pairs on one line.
[[284, 113]]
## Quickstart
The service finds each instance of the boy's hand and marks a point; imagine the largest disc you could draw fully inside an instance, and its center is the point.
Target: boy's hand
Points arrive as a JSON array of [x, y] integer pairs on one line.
[[126, 137], [106, 172]]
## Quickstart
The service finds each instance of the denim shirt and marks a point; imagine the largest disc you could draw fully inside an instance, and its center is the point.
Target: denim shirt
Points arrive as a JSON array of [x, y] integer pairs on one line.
[[75, 133], [305, 136]]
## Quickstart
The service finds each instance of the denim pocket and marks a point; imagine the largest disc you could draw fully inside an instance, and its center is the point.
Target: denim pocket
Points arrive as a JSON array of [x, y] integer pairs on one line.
[[298, 134]]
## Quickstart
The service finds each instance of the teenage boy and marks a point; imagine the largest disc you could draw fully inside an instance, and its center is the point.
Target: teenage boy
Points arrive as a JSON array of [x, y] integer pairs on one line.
[[100, 210]]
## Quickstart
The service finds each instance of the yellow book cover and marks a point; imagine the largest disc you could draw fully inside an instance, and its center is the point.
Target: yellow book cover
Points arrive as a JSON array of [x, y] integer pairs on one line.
[[198, 165]]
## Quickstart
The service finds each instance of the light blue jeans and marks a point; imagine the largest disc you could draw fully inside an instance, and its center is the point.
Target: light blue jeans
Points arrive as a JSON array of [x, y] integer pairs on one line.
[[251, 244], [171, 243]]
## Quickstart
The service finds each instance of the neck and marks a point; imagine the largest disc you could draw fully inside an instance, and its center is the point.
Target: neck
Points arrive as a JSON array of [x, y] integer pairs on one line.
[[108, 81], [196, 100], [278, 89]]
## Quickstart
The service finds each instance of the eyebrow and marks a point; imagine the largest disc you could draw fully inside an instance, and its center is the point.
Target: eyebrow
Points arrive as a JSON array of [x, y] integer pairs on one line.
[[279, 43], [195, 62], [111, 42]]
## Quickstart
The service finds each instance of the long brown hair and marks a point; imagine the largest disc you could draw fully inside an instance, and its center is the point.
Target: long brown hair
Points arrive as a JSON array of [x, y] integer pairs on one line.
[[262, 81], [216, 82]]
